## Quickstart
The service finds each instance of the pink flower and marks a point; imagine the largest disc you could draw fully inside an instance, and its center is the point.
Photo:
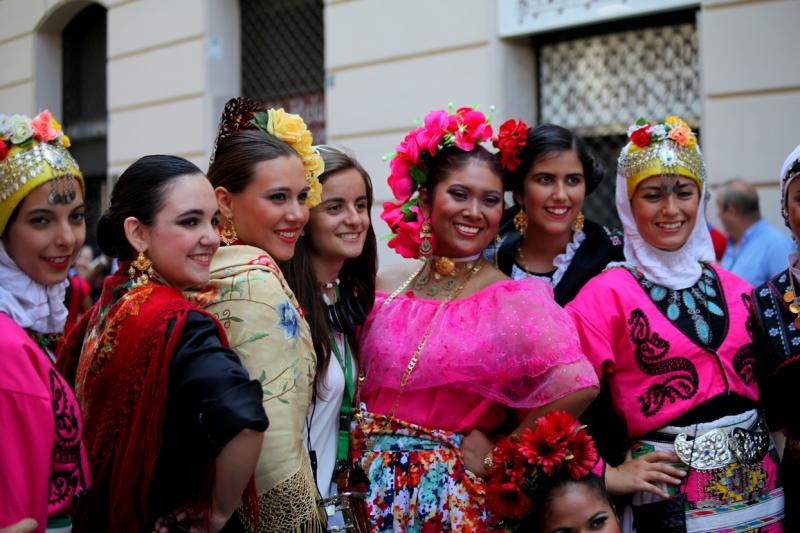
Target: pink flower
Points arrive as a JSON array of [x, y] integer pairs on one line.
[[470, 128], [43, 129], [400, 179], [409, 147], [431, 134], [679, 134], [406, 241], [392, 214]]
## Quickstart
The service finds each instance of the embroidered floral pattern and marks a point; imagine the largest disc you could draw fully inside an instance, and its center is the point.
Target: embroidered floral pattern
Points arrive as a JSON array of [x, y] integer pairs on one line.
[[288, 320], [65, 476], [651, 357]]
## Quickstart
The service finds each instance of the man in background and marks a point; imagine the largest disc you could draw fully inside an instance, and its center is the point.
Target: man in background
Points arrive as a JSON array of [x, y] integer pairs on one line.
[[756, 251]]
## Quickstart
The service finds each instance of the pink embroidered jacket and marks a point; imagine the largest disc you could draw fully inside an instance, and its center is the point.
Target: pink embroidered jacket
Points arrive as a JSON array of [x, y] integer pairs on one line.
[[656, 373], [42, 462]]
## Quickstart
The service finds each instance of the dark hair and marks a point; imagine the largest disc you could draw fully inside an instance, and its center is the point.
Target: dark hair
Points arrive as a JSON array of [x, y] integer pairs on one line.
[[236, 156], [138, 192], [550, 486], [453, 158], [546, 139], [356, 279]]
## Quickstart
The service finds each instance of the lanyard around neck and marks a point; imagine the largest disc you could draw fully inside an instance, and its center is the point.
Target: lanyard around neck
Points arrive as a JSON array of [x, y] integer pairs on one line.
[[347, 401]]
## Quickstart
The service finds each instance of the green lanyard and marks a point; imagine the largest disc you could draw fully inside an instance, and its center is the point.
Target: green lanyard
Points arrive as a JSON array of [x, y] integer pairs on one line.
[[343, 449]]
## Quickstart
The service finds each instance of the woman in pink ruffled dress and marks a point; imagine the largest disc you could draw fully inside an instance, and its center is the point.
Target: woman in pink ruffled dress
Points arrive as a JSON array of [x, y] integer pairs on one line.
[[453, 344]]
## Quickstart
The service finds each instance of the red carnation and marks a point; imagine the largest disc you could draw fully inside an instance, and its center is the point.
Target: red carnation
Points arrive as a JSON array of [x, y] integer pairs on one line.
[[507, 501], [641, 137], [510, 140], [3, 149]]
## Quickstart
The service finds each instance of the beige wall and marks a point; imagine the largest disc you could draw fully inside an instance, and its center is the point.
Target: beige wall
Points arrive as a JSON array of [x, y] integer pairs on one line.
[[751, 81], [382, 76], [171, 66]]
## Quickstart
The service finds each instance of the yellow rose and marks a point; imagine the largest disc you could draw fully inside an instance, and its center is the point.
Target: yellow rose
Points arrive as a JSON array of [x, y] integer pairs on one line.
[[314, 193], [286, 126], [314, 165], [65, 142], [55, 124], [691, 140]]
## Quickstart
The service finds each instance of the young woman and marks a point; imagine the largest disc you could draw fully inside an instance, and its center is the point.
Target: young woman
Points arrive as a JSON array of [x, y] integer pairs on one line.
[[446, 350], [264, 173], [548, 236], [42, 460], [776, 310], [340, 249], [173, 423], [566, 505], [670, 334]]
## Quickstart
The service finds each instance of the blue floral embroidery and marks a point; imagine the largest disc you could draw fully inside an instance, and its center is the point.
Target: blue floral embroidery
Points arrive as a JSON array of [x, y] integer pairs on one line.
[[782, 279], [773, 332], [763, 292], [288, 320], [769, 313], [792, 327], [796, 341]]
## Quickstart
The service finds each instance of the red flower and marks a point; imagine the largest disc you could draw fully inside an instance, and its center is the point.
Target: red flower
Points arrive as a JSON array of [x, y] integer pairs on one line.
[[509, 463], [540, 448], [3, 149], [641, 137], [510, 140], [584, 454], [507, 501]]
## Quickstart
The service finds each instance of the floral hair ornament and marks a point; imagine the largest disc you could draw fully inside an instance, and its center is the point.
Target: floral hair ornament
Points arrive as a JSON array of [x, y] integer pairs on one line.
[[244, 114], [34, 152], [556, 446], [464, 128], [510, 140], [667, 148]]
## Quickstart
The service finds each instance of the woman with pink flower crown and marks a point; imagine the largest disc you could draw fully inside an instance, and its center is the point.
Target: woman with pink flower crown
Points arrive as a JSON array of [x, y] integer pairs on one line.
[[445, 351]]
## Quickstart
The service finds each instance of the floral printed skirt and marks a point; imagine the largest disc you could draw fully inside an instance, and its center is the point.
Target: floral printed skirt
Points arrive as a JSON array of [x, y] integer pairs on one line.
[[418, 482]]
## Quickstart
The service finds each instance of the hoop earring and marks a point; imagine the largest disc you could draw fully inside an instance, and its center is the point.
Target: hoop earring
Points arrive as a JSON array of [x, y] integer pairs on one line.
[[579, 221], [425, 234], [228, 234], [521, 221], [141, 269]]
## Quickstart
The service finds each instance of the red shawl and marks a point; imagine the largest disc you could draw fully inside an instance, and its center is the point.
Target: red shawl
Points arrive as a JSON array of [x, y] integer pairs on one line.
[[117, 358]]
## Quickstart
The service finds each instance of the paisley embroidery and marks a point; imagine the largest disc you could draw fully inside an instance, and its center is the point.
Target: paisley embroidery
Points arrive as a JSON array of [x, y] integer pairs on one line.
[[651, 357], [745, 358], [66, 458]]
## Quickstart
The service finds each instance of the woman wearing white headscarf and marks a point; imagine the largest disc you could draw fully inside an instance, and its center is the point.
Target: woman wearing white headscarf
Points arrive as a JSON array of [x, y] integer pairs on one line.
[[777, 312], [669, 334]]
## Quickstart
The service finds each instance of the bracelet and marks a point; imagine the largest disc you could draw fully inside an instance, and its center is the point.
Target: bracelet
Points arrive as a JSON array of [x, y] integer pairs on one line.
[[488, 461]]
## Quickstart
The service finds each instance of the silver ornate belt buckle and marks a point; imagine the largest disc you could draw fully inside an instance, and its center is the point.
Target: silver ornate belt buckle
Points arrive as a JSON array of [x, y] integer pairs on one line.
[[718, 447]]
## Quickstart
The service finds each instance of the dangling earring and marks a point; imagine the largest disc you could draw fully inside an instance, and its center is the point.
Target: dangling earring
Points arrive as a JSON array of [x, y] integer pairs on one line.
[[521, 221], [141, 270], [425, 234], [579, 220], [228, 234]]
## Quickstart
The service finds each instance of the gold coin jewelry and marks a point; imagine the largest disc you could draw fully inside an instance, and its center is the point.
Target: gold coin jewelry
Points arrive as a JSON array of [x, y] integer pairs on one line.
[[790, 297], [444, 266]]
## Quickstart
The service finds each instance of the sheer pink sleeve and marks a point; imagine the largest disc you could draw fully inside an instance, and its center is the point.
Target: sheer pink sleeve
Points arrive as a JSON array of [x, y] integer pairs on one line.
[[510, 343]]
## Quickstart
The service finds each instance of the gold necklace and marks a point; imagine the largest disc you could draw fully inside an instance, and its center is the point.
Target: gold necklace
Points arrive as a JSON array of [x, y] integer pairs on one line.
[[790, 297], [428, 282]]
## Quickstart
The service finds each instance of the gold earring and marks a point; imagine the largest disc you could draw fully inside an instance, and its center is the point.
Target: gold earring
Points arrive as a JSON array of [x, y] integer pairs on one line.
[[425, 234], [141, 269], [228, 234], [521, 221], [579, 221]]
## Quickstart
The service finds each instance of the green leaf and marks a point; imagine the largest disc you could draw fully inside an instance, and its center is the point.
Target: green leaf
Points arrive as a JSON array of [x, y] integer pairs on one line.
[[419, 175], [234, 318], [641, 122], [260, 120], [389, 236], [283, 400]]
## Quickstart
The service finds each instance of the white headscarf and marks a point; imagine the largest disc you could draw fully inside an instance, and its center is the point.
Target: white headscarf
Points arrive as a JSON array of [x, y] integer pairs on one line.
[[30, 304], [674, 270], [785, 179]]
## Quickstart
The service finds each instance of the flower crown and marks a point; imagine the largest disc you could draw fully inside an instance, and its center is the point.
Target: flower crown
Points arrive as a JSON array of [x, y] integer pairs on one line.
[[557, 445], [464, 128], [244, 114], [669, 147], [510, 140], [20, 130]]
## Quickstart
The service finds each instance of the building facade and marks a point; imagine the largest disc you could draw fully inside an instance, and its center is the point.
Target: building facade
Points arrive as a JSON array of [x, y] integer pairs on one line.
[[728, 66]]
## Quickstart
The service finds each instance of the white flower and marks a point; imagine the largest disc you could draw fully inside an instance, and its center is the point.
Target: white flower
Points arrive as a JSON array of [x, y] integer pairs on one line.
[[658, 132], [21, 129], [5, 126]]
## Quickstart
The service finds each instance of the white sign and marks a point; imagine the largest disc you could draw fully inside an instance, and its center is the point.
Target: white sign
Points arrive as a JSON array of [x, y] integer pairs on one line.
[[524, 17]]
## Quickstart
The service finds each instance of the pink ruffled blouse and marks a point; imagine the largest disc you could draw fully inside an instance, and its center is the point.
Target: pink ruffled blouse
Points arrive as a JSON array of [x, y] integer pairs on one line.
[[508, 345]]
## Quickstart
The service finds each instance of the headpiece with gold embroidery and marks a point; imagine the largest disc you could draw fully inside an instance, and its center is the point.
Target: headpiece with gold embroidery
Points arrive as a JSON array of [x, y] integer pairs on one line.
[[34, 152], [668, 148], [244, 114]]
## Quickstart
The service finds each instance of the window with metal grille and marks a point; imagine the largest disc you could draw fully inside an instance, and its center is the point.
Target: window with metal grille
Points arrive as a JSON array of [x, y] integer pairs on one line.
[[597, 81], [283, 63]]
